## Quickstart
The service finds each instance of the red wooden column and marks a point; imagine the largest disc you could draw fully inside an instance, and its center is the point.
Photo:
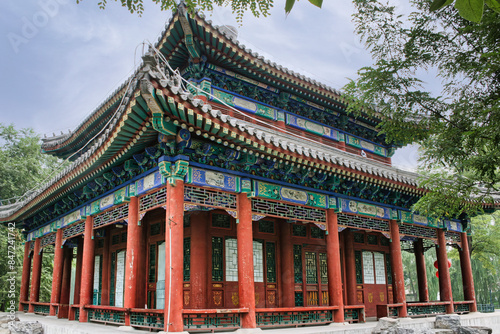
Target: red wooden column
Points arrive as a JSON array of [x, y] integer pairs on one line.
[[174, 250], [65, 283], [87, 280], [467, 279], [246, 285], [287, 273], [350, 267], [78, 271], [333, 266], [444, 273], [25, 278], [106, 262], [423, 289], [199, 259], [397, 268], [57, 273], [132, 267], [37, 273]]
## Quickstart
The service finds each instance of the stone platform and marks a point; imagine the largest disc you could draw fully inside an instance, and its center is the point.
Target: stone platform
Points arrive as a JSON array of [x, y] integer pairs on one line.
[[62, 326]]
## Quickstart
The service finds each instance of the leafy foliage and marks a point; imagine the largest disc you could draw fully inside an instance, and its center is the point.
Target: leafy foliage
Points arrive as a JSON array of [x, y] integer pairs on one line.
[[22, 167], [239, 7], [471, 10], [457, 127]]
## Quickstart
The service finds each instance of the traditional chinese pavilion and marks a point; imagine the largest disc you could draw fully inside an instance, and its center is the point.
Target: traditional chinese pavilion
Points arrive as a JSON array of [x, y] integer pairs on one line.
[[216, 189]]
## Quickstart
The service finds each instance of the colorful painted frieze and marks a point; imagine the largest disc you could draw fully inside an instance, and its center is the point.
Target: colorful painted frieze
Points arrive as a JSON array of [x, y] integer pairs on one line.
[[118, 197], [412, 218], [245, 104], [280, 193], [365, 145], [350, 206], [147, 183], [208, 178], [312, 127], [453, 226], [242, 78]]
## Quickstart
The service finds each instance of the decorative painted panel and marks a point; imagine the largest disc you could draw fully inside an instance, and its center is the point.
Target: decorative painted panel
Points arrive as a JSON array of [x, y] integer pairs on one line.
[[365, 145], [149, 182], [208, 178], [118, 197], [453, 226], [231, 260], [411, 218], [245, 104], [366, 209], [275, 192], [242, 78], [312, 127]]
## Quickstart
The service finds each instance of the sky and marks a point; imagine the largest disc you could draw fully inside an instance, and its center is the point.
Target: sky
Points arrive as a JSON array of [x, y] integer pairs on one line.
[[60, 60]]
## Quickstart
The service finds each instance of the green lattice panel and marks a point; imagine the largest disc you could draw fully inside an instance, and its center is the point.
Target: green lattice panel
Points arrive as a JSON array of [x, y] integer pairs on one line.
[[112, 280], [77, 314], [323, 268], [124, 237], [421, 310], [271, 262], [152, 264], [389, 268], [384, 241], [317, 233], [486, 308], [221, 221], [461, 308], [42, 309], [371, 239], [100, 243], [155, 229], [147, 320], [112, 216], [266, 226], [107, 316], [351, 315], [359, 267], [311, 268], [212, 321], [299, 230], [297, 263], [359, 238], [153, 200], [187, 259], [293, 318], [115, 239], [26, 307], [284, 210], [299, 299], [363, 222], [217, 259]]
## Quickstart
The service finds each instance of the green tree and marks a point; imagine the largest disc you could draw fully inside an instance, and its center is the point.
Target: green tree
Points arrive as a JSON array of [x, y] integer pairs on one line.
[[457, 123], [22, 168]]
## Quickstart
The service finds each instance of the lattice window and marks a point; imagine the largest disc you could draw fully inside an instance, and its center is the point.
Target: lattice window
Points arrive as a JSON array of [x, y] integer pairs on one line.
[[271, 262], [209, 197], [231, 260], [217, 259], [363, 222], [299, 230], [317, 233], [299, 299], [371, 239], [452, 237], [100, 243], [358, 266], [258, 261], [124, 237], [155, 229], [221, 221], [153, 200], [384, 241], [112, 216], [297, 263], [284, 210], [73, 230], [112, 280], [152, 264], [187, 259], [48, 239], [323, 268], [187, 221], [115, 239], [359, 238], [389, 268], [311, 268], [418, 231], [266, 226]]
